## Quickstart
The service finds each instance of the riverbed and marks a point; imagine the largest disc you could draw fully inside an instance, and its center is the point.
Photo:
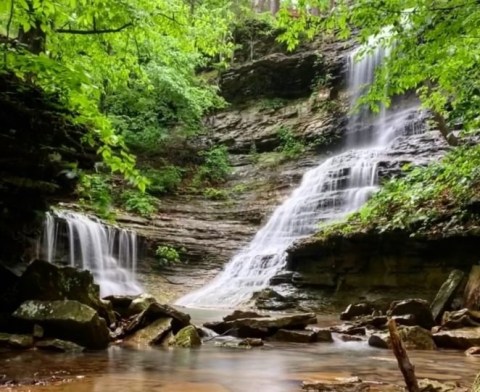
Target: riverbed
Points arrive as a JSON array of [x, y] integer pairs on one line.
[[276, 367]]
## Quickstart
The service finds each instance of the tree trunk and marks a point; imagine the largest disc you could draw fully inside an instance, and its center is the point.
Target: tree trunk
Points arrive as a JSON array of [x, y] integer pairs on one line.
[[274, 6], [406, 367]]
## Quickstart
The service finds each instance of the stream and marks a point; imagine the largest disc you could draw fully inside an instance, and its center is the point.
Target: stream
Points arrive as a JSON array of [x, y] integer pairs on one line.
[[276, 367]]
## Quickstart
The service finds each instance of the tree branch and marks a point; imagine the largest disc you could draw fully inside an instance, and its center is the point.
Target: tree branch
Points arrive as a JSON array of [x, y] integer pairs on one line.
[[94, 31]]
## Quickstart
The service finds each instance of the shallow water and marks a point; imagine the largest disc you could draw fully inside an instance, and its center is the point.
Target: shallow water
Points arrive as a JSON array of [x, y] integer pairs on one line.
[[276, 367]]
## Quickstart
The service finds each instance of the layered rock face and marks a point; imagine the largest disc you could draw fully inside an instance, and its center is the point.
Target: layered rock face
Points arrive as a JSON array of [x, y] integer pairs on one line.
[[268, 91]]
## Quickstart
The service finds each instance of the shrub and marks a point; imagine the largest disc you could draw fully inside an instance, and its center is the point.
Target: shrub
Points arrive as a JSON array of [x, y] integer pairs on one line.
[[95, 190], [216, 167], [290, 146], [164, 180], [138, 202], [167, 255], [216, 194]]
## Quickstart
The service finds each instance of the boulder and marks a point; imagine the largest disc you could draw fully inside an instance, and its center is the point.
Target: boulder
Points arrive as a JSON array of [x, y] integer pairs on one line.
[[350, 338], [323, 334], [16, 341], [355, 310], [347, 384], [419, 308], [460, 319], [461, 339], [285, 335], [58, 345], [47, 282], [261, 327], [427, 385], [250, 342], [414, 338], [446, 293], [240, 314], [269, 299], [153, 333], [69, 320], [187, 337], [473, 351], [471, 296], [153, 312], [349, 329], [140, 303]]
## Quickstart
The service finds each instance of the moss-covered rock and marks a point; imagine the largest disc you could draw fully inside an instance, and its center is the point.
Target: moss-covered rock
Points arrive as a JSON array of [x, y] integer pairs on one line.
[[69, 320], [16, 341], [187, 337], [59, 345]]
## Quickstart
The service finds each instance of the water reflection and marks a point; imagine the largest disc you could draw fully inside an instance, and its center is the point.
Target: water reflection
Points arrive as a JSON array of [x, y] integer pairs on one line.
[[275, 368]]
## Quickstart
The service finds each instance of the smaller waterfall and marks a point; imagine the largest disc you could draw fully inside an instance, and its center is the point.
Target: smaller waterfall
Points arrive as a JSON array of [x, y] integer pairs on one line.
[[108, 252]]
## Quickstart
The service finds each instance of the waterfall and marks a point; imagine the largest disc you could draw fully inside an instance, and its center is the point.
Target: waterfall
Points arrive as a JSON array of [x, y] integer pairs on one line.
[[108, 252], [337, 186]]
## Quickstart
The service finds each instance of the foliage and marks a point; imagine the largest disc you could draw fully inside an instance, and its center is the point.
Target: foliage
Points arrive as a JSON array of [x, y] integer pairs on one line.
[[215, 168], [95, 190], [433, 47], [290, 146], [431, 198], [216, 194], [164, 180], [167, 255], [91, 53], [272, 103], [138, 202]]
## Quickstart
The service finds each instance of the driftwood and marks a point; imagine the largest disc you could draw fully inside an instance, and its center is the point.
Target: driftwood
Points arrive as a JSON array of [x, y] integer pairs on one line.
[[406, 367]]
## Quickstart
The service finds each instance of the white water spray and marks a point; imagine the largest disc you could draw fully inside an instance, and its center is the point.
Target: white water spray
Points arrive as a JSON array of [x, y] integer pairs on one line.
[[108, 252], [338, 186]]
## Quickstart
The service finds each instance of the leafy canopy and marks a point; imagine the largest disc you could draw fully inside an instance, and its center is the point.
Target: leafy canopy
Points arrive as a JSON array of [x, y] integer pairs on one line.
[[88, 51], [434, 47]]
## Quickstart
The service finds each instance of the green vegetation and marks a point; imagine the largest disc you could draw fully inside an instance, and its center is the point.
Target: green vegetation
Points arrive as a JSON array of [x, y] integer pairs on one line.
[[215, 168], [164, 180], [167, 255], [434, 199], [290, 145], [94, 191], [138, 202]]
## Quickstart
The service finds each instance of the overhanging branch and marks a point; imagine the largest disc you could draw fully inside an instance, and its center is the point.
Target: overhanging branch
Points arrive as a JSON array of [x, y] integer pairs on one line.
[[94, 31]]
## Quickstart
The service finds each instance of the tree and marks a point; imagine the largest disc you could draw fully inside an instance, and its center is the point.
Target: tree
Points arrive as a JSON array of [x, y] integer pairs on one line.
[[434, 48], [86, 50]]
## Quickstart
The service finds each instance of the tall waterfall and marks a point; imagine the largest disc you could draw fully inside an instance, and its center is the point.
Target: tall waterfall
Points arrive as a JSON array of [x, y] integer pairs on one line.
[[337, 186], [108, 252]]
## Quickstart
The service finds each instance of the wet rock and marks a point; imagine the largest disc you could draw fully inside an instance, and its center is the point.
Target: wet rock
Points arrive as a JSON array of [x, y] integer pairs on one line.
[[414, 338], [47, 282], [446, 293], [461, 339], [241, 314], [120, 303], [460, 318], [427, 385], [187, 337], [323, 334], [153, 312], [473, 351], [140, 303], [355, 310], [350, 338], [251, 342], [419, 308], [350, 384], [69, 320], [154, 333], [471, 296], [285, 335], [58, 345], [16, 341], [269, 299], [261, 327], [349, 329], [281, 277]]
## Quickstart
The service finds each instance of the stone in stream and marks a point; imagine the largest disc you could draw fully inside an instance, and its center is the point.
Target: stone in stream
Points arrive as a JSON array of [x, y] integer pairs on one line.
[[155, 311], [460, 319], [355, 310], [471, 298], [120, 303], [269, 299], [285, 335], [154, 333], [419, 308], [47, 282], [414, 338], [58, 345], [16, 341], [473, 351], [187, 337], [140, 303], [241, 314], [461, 339], [261, 327], [446, 293], [69, 320]]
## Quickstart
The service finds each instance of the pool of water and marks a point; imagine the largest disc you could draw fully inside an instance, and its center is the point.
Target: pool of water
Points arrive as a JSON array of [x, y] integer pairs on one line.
[[278, 367]]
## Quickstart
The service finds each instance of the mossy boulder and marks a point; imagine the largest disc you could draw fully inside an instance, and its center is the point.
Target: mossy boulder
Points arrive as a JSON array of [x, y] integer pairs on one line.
[[47, 282], [16, 341], [187, 337], [69, 320], [58, 345], [154, 333]]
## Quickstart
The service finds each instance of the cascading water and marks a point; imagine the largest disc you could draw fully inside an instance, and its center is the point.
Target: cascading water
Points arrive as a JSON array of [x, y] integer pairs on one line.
[[338, 186], [109, 253]]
